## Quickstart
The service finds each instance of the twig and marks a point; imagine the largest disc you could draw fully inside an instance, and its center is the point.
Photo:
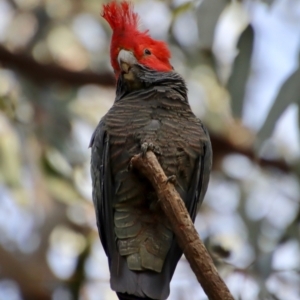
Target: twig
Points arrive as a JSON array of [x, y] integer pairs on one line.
[[182, 225]]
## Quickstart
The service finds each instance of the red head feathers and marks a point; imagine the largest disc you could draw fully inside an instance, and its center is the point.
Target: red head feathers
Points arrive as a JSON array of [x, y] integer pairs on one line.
[[124, 23]]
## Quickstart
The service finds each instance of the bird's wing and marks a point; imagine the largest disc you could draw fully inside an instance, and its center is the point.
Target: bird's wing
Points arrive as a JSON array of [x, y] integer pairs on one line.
[[102, 188], [200, 177], [194, 197], [122, 279]]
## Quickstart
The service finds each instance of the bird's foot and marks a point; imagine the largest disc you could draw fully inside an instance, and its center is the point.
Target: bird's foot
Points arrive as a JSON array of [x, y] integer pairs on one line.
[[172, 179], [150, 147], [146, 147]]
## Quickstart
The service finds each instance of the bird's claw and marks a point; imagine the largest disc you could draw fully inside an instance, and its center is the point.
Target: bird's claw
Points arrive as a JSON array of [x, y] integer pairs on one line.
[[172, 179], [150, 147], [146, 147]]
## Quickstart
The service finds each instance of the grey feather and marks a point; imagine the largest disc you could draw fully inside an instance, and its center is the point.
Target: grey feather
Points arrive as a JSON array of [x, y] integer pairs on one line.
[[141, 249]]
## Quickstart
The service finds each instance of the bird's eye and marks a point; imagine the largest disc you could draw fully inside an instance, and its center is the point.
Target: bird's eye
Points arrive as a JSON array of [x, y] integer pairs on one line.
[[147, 51]]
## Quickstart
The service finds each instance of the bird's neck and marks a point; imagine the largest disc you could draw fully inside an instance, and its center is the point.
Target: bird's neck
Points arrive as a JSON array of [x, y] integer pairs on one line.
[[147, 79]]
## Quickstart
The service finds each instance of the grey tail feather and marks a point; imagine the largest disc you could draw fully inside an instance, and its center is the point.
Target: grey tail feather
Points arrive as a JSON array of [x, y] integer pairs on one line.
[[126, 296]]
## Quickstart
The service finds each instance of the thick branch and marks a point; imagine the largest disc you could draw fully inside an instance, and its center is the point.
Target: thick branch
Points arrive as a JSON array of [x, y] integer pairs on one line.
[[182, 225]]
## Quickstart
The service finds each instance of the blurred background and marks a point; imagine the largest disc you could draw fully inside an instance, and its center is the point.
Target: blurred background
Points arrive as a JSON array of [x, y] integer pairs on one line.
[[240, 60]]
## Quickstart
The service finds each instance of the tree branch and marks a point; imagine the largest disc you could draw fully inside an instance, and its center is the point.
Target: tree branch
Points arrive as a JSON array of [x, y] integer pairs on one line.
[[222, 147], [49, 73], [182, 225]]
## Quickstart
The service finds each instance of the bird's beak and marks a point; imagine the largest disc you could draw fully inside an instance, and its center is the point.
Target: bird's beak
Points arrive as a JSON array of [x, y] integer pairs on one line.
[[126, 59]]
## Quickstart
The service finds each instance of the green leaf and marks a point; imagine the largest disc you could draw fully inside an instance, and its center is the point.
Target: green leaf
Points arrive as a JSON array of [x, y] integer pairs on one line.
[[240, 71], [268, 2], [62, 190], [288, 94], [208, 14], [182, 9]]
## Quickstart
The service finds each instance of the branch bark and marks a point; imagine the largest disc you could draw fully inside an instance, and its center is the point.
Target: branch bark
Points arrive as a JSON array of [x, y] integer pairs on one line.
[[183, 227]]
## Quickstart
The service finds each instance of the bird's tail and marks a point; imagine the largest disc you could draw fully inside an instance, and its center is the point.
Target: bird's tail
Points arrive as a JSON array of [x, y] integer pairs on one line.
[[122, 296]]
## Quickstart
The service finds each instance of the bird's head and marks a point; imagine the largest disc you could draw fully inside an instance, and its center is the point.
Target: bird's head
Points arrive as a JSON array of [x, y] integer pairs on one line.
[[129, 45]]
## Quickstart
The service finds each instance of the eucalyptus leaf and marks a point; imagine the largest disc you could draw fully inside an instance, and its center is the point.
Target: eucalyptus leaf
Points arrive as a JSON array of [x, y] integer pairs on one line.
[[240, 71], [58, 162], [62, 190], [182, 9], [268, 2], [208, 14], [10, 149], [288, 94]]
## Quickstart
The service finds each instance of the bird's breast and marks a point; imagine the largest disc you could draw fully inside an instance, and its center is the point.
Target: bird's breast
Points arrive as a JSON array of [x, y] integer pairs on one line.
[[143, 234]]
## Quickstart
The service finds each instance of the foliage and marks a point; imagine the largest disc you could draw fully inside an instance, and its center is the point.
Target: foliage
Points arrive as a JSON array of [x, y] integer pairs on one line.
[[50, 105]]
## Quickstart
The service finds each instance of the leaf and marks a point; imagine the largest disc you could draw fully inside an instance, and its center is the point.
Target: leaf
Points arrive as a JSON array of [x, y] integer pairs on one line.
[[208, 14], [182, 9], [62, 190], [268, 2], [10, 159], [288, 94], [58, 162], [240, 71]]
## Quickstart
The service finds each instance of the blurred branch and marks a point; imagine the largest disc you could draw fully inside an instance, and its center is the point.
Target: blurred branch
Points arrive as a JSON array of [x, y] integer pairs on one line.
[[46, 73], [222, 147], [50, 72], [31, 277], [31, 271]]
